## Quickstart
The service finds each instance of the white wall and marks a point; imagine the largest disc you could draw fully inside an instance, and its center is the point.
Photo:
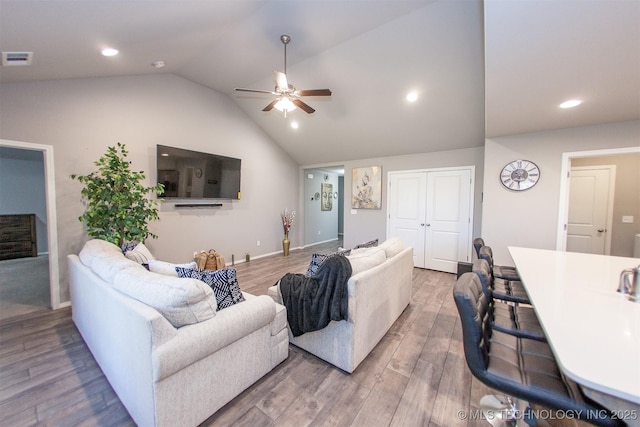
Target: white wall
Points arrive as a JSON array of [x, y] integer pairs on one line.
[[81, 118], [366, 225], [530, 218]]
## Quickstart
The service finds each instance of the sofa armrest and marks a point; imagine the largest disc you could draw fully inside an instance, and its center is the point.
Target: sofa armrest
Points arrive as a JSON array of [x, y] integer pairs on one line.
[[367, 288], [195, 342]]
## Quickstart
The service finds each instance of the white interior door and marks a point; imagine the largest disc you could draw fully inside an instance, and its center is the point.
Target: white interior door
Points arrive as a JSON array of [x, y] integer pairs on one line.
[[407, 201], [431, 211], [590, 206], [448, 220]]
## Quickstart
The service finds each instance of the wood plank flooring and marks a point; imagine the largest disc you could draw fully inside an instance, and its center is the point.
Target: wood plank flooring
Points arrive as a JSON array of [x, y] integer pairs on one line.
[[416, 376]]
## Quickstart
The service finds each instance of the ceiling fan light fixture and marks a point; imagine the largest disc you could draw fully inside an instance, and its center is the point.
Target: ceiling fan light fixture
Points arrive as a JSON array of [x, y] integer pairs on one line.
[[284, 104]]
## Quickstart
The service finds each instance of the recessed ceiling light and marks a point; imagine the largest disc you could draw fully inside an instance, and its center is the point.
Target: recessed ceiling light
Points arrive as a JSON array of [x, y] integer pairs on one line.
[[158, 64], [109, 51], [571, 103], [295, 125], [412, 96]]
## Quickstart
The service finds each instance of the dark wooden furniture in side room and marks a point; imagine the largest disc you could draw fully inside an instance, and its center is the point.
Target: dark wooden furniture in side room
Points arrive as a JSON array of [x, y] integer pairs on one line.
[[18, 236]]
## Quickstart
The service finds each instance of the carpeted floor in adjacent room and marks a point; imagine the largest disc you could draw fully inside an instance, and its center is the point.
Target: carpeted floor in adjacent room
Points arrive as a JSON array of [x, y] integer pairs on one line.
[[24, 286]]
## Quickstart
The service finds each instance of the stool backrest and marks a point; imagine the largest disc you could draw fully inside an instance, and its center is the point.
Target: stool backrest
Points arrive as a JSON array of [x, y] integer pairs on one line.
[[482, 269], [478, 242], [473, 308], [486, 253]]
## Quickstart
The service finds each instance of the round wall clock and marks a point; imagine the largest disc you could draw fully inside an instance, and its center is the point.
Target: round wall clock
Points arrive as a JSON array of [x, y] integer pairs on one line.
[[520, 175]]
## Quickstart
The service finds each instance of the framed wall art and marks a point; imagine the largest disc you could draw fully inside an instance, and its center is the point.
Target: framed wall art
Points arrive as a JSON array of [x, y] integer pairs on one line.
[[326, 203], [366, 188]]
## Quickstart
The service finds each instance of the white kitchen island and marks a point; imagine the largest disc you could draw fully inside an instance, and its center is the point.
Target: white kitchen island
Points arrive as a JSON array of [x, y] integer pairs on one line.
[[593, 330]]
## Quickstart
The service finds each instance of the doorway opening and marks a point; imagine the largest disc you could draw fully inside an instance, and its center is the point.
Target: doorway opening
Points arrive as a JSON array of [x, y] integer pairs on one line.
[[624, 221], [323, 204], [51, 219]]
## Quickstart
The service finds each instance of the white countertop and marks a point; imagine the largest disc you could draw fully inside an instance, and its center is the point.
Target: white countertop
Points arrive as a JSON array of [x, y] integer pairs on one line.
[[594, 331]]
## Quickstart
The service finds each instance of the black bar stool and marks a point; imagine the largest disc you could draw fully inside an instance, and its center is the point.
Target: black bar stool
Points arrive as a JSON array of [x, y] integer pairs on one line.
[[505, 278], [519, 367], [515, 319]]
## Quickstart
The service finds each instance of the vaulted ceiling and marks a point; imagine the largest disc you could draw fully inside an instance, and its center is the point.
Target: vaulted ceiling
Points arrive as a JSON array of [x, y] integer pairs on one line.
[[534, 54]]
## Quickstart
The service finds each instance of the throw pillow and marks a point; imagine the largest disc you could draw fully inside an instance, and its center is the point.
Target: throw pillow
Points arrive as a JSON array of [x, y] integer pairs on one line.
[[129, 245], [139, 254], [317, 260], [343, 251], [369, 244], [223, 283], [167, 268]]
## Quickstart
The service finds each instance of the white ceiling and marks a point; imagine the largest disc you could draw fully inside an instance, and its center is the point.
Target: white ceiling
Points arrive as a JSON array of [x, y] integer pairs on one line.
[[369, 53]]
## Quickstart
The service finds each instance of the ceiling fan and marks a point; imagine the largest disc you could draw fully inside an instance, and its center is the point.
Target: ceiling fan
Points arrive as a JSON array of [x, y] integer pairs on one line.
[[287, 96]]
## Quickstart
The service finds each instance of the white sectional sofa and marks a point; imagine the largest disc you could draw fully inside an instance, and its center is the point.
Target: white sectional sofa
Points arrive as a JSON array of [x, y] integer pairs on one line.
[[378, 292], [163, 374]]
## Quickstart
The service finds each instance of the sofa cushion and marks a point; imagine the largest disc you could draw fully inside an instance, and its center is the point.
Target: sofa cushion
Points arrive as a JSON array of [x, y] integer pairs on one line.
[[109, 265], [364, 250], [167, 268], [180, 301], [223, 283], [367, 260], [392, 246], [97, 248], [104, 258], [139, 254]]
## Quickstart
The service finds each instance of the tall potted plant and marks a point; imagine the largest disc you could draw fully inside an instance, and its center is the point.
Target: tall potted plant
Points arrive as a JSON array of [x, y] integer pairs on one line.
[[117, 207]]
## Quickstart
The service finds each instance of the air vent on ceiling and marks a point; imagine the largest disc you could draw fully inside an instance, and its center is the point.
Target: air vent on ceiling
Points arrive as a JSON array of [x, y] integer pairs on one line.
[[16, 58]]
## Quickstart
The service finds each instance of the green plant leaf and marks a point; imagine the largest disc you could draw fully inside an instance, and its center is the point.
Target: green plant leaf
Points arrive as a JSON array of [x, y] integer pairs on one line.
[[117, 206]]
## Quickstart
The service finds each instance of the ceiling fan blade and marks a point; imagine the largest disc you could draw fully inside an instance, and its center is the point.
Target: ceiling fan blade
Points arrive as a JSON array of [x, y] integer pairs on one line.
[[281, 81], [270, 106], [304, 107], [239, 89], [314, 92]]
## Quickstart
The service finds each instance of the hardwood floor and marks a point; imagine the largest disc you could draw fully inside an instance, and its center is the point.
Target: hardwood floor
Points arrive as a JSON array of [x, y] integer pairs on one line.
[[416, 376]]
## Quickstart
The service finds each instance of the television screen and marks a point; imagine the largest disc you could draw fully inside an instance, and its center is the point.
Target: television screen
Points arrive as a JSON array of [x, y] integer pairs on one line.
[[190, 174]]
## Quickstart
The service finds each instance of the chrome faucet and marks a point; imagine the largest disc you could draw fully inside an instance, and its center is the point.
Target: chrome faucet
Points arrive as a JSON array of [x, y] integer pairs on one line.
[[630, 283]]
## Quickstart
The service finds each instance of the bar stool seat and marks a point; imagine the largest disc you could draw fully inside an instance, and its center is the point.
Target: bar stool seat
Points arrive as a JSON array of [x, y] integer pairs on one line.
[[499, 271]]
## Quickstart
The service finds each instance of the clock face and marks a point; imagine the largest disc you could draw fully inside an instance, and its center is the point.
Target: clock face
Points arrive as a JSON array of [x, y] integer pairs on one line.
[[520, 175]]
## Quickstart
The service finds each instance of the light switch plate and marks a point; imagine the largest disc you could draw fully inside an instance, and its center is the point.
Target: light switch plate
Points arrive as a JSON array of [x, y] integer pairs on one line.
[[627, 219], [354, 211]]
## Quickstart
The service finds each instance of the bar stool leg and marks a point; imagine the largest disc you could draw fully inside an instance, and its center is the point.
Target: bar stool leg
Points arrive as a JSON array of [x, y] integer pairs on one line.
[[506, 412]]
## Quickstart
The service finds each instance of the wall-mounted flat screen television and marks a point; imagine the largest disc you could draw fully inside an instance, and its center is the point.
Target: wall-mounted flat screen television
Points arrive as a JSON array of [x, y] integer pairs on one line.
[[188, 174]]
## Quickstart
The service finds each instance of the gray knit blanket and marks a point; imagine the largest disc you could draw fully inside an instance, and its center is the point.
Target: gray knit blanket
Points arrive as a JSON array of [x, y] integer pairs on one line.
[[312, 302]]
